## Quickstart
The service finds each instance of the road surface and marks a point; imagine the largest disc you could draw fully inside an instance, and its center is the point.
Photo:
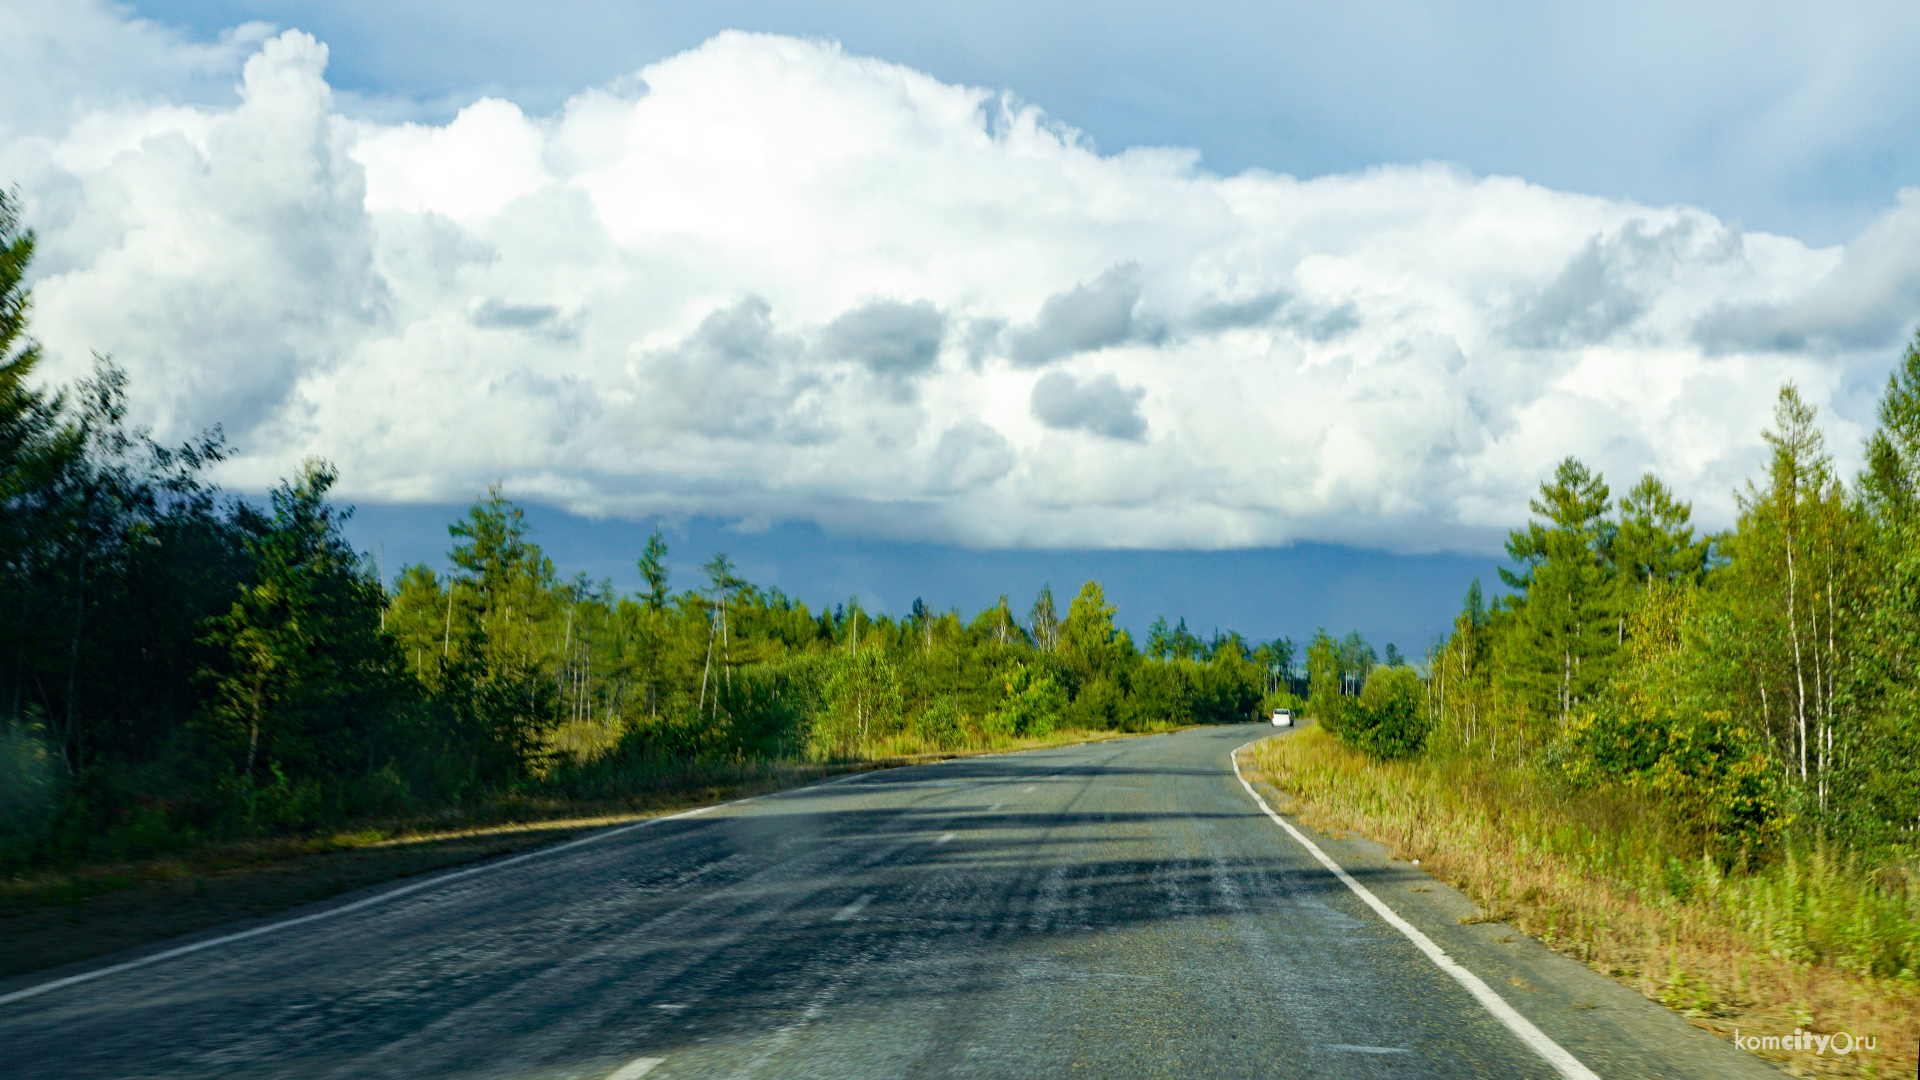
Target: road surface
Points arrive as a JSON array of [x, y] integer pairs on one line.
[[1122, 909]]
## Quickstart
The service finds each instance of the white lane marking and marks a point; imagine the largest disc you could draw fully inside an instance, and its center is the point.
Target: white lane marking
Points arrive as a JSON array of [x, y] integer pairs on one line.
[[391, 894], [854, 908], [1563, 1063], [1351, 1049], [670, 1008], [635, 1069], [945, 836]]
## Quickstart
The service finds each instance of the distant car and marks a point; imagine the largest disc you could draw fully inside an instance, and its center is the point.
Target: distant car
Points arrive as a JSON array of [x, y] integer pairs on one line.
[[1283, 718]]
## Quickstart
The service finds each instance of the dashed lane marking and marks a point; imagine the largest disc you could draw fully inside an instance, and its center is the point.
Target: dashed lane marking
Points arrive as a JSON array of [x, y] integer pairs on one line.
[[854, 908]]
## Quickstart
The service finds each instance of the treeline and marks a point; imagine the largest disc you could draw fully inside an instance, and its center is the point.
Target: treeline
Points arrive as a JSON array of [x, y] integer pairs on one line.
[[178, 664], [1760, 685]]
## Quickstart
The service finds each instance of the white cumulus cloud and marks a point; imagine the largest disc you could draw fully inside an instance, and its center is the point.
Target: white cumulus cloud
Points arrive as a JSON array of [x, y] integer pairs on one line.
[[765, 279]]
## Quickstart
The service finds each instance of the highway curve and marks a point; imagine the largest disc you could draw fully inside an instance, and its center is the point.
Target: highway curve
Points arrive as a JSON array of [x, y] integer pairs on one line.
[[1122, 909]]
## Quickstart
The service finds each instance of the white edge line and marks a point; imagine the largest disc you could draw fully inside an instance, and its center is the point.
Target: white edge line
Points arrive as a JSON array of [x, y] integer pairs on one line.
[[380, 898], [1564, 1063]]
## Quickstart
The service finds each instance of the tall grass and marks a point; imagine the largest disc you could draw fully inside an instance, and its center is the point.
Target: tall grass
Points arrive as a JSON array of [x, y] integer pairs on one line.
[[1809, 937]]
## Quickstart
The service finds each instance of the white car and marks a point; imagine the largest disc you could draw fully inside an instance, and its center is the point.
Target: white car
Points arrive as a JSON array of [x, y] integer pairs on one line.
[[1283, 718]]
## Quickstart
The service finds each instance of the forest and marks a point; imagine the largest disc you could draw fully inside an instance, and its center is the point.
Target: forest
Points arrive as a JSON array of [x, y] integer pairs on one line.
[[179, 664], [1690, 759], [1760, 684]]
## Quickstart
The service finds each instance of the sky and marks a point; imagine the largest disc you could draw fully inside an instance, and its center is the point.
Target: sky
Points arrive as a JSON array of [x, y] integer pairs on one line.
[[1200, 295]]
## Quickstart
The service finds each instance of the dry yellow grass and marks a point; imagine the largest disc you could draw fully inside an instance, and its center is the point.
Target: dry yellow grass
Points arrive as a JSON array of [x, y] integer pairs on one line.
[[1811, 942]]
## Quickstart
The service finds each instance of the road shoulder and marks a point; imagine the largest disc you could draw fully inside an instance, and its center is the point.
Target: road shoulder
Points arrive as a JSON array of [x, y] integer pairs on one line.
[[1611, 1029]]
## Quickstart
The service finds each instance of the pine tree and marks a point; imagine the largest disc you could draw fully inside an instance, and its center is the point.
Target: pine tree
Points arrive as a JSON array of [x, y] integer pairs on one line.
[[653, 570], [1654, 538], [1566, 628]]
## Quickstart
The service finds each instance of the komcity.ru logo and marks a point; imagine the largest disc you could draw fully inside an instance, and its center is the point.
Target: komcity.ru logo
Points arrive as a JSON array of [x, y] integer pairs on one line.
[[1839, 1042]]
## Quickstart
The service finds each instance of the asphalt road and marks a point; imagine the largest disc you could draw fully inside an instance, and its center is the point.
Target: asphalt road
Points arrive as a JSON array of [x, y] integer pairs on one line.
[[1115, 910]]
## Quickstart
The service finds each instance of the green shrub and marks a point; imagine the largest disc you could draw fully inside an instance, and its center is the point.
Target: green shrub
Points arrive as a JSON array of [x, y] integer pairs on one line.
[[1031, 706], [940, 723], [1711, 774], [1386, 720], [29, 784]]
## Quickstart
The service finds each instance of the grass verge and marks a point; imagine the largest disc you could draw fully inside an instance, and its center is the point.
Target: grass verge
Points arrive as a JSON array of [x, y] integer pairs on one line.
[[59, 916], [1812, 942]]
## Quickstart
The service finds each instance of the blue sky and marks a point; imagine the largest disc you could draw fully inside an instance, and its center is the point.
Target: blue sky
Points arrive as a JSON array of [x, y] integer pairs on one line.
[[1271, 315]]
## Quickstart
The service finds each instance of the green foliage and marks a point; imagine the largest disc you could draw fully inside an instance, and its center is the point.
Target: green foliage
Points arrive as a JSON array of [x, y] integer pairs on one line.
[[1030, 706], [941, 723], [1711, 774], [860, 702], [1087, 638], [1324, 680], [1387, 720], [1565, 624], [303, 664], [1757, 687], [30, 788]]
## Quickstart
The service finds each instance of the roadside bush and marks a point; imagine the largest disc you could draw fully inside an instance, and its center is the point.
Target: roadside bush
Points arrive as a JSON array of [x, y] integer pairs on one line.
[[1031, 707], [29, 784], [1712, 775], [763, 709], [1163, 693], [1099, 706], [941, 723], [1386, 721]]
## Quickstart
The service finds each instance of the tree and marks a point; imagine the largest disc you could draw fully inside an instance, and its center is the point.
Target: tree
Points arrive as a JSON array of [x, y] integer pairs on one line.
[[1795, 592], [722, 583], [307, 669], [1186, 646], [1031, 705], [1887, 760], [1088, 637], [1566, 628], [1387, 721], [1282, 650], [1159, 639], [1356, 659], [36, 450], [1654, 538], [1890, 486], [1045, 622], [1324, 678], [653, 570], [862, 700], [496, 557]]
